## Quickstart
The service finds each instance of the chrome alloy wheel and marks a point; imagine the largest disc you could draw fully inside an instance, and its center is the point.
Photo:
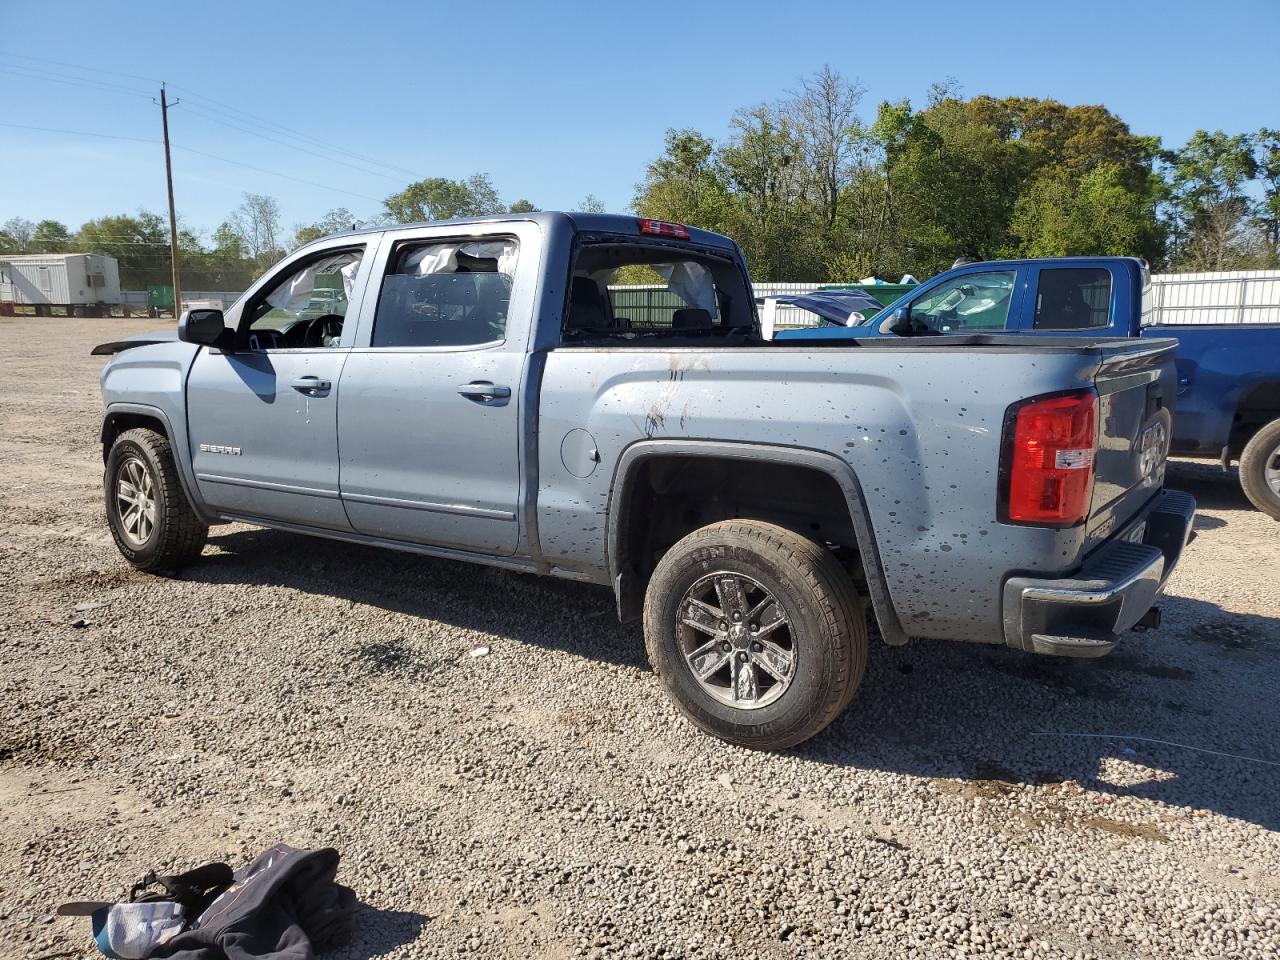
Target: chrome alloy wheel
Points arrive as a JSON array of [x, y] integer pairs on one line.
[[135, 501], [1271, 471], [736, 639]]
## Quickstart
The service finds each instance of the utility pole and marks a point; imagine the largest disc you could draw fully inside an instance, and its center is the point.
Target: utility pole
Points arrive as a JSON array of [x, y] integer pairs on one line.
[[173, 215]]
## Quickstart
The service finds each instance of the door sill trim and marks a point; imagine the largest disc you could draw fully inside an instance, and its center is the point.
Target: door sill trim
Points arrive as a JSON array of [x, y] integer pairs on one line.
[[351, 536], [460, 508], [267, 485]]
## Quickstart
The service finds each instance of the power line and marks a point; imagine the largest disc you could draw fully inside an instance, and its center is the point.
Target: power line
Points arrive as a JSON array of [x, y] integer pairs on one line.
[[82, 82], [76, 66], [246, 117], [272, 173], [78, 133], [318, 149], [291, 146]]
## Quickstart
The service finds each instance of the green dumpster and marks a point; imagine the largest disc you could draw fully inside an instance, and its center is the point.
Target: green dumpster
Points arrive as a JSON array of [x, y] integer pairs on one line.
[[886, 293], [159, 295]]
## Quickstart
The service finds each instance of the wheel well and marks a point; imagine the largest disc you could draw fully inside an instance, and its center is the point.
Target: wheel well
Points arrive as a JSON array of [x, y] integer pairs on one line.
[[1259, 405], [668, 497], [117, 423]]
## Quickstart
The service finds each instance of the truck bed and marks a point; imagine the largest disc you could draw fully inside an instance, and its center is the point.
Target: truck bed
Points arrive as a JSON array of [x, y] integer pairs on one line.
[[922, 432]]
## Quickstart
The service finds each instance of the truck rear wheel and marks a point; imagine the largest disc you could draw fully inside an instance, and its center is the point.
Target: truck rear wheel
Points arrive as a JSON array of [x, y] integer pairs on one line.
[[151, 521], [756, 631], [1260, 469]]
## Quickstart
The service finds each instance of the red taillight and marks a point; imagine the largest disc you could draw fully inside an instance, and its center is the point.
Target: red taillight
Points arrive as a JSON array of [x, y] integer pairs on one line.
[[661, 228], [1050, 447]]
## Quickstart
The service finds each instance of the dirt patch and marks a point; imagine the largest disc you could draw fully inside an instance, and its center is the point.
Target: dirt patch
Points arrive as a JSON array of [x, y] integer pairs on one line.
[[1228, 634], [1120, 828], [975, 789]]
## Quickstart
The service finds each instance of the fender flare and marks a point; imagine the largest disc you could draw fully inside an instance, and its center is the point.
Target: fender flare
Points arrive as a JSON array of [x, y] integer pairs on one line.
[[1242, 388], [185, 475], [623, 576]]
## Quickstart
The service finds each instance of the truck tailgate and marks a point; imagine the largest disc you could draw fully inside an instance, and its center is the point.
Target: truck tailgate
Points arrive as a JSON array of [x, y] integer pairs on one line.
[[1137, 386]]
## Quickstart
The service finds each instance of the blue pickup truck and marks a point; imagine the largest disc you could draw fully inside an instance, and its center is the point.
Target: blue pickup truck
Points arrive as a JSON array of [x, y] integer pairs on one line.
[[1228, 404]]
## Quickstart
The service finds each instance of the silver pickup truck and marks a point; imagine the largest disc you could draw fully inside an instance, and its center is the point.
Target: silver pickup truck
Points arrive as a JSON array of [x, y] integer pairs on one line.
[[486, 390]]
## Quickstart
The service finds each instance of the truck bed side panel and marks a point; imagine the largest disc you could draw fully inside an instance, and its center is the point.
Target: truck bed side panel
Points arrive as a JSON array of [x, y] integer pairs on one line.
[[1217, 365], [926, 457]]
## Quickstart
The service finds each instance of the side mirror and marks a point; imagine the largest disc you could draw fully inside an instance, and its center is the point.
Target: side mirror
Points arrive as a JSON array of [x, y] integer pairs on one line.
[[201, 326], [897, 323]]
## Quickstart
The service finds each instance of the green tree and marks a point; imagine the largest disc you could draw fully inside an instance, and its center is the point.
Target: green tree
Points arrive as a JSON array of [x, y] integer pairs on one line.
[[686, 183], [335, 221], [228, 262], [591, 204], [1268, 156], [50, 236], [1009, 177], [1094, 215], [1209, 208], [810, 191], [771, 214], [522, 206], [16, 235], [140, 244], [823, 112], [437, 198], [951, 186], [257, 221]]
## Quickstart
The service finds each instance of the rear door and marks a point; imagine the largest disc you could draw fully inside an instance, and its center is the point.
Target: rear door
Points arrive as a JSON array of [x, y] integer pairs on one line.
[[263, 422], [429, 424]]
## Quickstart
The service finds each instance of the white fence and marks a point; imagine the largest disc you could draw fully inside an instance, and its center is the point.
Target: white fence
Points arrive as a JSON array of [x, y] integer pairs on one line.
[[137, 299], [1240, 296], [1233, 296], [1237, 296]]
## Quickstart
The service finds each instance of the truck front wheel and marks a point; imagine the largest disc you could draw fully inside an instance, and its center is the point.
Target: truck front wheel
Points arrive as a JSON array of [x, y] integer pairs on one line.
[[756, 631], [1260, 469], [151, 521]]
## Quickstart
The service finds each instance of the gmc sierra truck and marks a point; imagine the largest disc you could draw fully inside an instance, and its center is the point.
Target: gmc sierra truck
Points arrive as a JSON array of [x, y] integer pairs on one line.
[[473, 389], [1228, 373]]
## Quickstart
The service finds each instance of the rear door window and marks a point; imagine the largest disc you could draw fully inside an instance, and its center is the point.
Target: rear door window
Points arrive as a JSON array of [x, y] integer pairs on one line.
[[446, 295], [1074, 298]]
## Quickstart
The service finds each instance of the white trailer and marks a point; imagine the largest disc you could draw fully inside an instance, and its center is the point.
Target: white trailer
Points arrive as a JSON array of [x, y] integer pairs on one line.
[[82, 284]]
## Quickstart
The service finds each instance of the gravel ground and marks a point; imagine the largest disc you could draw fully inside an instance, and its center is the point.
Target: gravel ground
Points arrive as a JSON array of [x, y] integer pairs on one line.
[[547, 801]]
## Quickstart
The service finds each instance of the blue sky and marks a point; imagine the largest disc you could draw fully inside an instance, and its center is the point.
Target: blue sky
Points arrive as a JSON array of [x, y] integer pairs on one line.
[[553, 101]]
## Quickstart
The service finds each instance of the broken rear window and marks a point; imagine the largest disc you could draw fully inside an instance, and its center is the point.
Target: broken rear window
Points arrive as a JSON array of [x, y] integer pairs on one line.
[[633, 290]]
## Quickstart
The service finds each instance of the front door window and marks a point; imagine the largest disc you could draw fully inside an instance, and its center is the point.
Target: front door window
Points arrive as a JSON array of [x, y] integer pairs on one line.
[[974, 301], [307, 307]]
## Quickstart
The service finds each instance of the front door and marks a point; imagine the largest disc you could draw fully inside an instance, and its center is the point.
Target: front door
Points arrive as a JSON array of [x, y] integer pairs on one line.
[[263, 415], [429, 422]]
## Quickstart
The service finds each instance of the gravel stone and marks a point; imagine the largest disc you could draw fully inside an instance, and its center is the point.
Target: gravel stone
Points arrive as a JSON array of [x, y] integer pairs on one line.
[[547, 800]]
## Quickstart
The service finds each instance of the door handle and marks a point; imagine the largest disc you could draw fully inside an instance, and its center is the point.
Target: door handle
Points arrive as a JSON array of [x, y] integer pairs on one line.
[[484, 390], [310, 385]]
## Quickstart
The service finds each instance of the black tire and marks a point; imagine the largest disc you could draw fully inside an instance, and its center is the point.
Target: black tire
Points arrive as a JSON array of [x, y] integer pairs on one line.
[[825, 624], [175, 535], [1262, 452]]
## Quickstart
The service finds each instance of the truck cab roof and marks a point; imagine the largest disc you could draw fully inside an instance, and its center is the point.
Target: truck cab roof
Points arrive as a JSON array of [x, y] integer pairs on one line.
[[604, 223]]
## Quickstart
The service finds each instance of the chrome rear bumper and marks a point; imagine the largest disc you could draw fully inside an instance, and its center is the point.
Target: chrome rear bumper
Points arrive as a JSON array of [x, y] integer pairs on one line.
[[1081, 616]]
